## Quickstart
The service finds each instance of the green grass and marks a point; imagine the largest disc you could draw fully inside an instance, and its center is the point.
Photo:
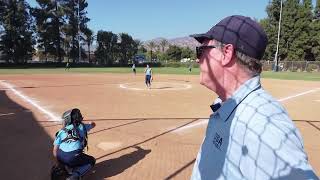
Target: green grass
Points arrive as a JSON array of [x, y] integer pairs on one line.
[[307, 76], [62, 70], [156, 70], [315, 76]]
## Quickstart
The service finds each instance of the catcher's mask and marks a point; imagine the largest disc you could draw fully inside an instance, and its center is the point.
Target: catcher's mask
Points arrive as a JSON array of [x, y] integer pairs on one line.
[[72, 116]]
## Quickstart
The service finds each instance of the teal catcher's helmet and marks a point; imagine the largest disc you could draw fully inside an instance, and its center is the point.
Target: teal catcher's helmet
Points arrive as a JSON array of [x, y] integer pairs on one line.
[[72, 116]]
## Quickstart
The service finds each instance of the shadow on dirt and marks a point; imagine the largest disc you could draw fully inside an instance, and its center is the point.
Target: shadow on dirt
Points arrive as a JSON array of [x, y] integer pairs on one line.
[[25, 151], [116, 166]]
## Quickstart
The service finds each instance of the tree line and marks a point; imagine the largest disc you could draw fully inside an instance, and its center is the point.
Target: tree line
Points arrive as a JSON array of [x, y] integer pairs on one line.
[[164, 51], [58, 30], [299, 33], [54, 28]]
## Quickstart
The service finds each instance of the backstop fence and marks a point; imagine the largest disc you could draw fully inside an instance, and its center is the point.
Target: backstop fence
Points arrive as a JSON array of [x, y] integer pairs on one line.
[[293, 66]]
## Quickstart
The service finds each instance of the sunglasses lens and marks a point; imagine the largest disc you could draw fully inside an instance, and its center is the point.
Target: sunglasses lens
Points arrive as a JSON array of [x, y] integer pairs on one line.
[[199, 50]]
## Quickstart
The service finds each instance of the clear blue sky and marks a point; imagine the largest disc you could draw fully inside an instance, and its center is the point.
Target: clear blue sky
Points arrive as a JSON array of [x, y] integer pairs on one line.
[[148, 19]]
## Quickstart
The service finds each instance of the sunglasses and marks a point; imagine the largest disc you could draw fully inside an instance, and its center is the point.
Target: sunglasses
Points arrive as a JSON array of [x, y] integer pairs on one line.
[[200, 50]]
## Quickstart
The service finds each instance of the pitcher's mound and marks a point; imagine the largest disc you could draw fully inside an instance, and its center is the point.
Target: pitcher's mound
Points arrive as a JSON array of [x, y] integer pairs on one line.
[[138, 86]]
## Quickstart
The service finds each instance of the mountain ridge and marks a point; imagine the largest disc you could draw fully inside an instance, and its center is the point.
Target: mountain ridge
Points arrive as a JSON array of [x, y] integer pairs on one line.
[[179, 41], [185, 41]]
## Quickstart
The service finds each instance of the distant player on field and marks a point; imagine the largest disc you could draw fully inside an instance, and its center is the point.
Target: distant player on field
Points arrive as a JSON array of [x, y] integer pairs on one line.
[[148, 72], [134, 68], [67, 66]]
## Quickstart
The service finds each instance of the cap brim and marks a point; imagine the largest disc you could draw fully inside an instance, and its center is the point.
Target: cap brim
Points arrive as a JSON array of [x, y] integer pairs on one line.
[[201, 37]]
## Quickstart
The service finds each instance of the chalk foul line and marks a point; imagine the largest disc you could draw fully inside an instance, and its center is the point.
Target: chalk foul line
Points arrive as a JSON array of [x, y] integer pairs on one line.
[[52, 116]]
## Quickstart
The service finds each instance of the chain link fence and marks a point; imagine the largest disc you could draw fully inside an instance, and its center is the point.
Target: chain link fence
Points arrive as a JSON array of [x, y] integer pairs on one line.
[[293, 66]]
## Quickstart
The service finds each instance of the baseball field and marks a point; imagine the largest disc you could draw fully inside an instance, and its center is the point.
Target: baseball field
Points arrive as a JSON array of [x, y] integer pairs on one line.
[[140, 134]]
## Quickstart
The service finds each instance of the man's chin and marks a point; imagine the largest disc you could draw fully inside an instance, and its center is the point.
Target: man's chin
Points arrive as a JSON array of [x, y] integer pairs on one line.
[[203, 83], [207, 85], [201, 79]]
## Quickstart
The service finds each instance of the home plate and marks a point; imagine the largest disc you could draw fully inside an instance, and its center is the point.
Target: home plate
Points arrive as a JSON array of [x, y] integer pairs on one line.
[[106, 146]]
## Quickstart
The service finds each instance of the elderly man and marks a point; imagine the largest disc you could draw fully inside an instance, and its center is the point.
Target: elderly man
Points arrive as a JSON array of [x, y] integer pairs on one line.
[[249, 134]]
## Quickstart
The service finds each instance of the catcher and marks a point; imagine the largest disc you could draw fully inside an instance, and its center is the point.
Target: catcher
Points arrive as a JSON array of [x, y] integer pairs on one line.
[[70, 143]]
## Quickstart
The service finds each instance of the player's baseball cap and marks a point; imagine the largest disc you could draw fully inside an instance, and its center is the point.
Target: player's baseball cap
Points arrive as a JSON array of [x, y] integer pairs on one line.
[[245, 34]]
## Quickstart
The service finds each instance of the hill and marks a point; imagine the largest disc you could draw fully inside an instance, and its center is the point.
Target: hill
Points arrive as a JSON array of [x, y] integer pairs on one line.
[[180, 41]]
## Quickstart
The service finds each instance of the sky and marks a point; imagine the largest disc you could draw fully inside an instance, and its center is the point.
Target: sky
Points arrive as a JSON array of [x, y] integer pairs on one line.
[[150, 19]]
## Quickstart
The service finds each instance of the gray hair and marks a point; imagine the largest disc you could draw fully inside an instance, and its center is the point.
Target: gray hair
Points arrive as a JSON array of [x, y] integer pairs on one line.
[[251, 65], [254, 66]]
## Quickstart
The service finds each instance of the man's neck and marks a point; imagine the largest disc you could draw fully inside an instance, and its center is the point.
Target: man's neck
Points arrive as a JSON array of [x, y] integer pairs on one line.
[[232, 83]]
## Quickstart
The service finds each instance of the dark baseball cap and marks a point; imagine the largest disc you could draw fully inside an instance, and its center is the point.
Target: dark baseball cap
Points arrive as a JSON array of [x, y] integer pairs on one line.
[[245, 34]]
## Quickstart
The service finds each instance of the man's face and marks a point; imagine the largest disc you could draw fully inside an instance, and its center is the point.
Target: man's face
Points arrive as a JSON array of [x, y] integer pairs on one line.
[[210, 65]]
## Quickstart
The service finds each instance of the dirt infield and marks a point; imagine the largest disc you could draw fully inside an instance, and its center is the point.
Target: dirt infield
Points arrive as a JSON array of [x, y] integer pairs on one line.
[[141, 133]]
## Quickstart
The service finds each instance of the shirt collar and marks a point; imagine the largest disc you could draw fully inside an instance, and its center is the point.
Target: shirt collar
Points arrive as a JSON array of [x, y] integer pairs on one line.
[[241, 93], [216, 104], [215, 107]]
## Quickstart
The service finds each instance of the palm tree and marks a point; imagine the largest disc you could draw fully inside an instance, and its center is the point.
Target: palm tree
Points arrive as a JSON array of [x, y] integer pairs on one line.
[[163, 43], [151, 45]]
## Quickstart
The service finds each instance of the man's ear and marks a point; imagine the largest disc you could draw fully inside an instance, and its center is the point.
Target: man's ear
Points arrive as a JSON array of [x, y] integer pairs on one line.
[[228, 51]]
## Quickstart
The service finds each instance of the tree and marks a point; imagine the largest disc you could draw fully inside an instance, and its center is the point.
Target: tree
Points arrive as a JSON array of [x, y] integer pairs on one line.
[[76, 24], [295, 36], [163, 44], [141, 48], [317, 10], [305, 37], [41, 15], [300, 48], [2, 12], [17, 36], [270, 25], [107, 47], [50, 20], [127, 48], [89, 38], [151, 45], [58, 21], [187, 53], [174, 53], [315, 33]]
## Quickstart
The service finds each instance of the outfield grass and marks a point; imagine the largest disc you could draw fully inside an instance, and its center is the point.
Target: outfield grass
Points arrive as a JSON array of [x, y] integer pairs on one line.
[[156, 70], [307, 76], [315, 76]]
